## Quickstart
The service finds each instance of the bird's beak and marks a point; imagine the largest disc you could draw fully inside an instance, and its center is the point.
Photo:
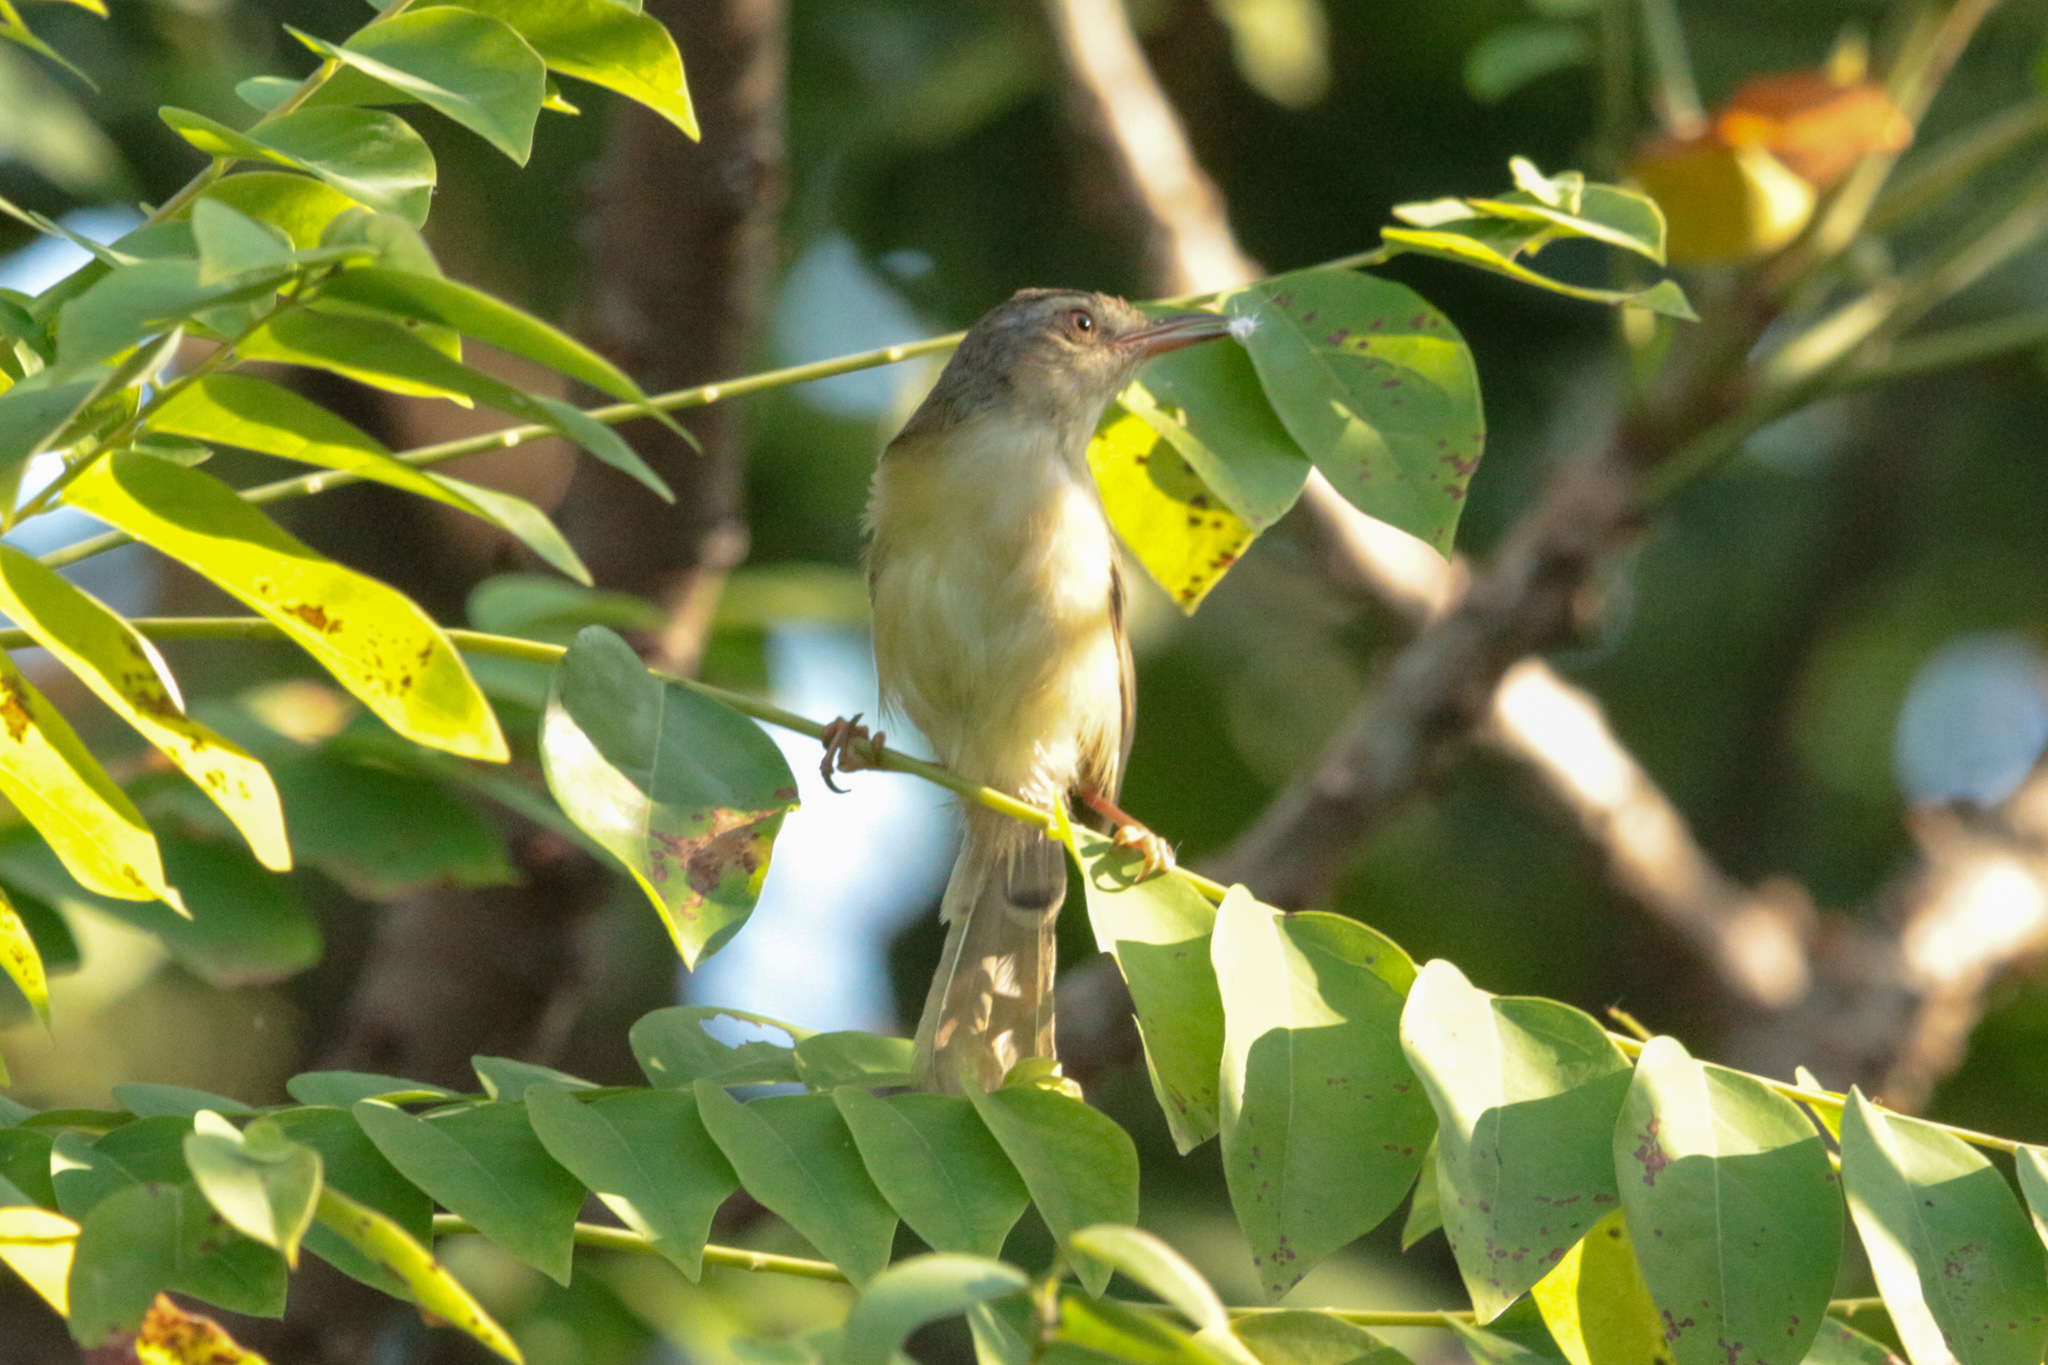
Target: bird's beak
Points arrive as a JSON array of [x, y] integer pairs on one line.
[[1171, 334]]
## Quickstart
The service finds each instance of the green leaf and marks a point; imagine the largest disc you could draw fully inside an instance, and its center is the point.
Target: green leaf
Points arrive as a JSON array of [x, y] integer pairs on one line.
[[298, 205], [85, 1171], [1161, 1269], [1079, 1165], [938, 1166], [1425, 1215], [125, 671], [143, 1241], [1314, 1082], [1513, 55], [542, 607], [795, 1154], [231, 243], [683, 790], [505, 1078], [1962, 1273], [32, 417], [146, 299], [474, 313], [1173, 522], [484, 1163], [383, 1243], [607, 44], [1158, 930], [1728, 1189], [1095, 1331], [1840, 1344], [1377, 386], [240, 410], [914, 1292], [147, 1100], [265, 1185], [373, 157], [386, 355], [25, 1163], [474, 69], [1297, 1337], [375, 641], [1526, 1093], [59, 788], [826, 1060], [1206, 401], [351, 1164], [1596, 1306], [341, 1089], [1491, 1348], [648, 1156], [22, 961], [675, 1049]]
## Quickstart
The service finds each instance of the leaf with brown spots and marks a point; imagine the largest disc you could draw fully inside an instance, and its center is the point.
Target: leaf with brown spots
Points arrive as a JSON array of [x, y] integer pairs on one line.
[[171, 1336], [683, 790], [21, 961], [1595, 1304], [1737, 1214], [1526, 1093], [393, 1249], [375, 641], [89, 823], [1180, 530], [1962, 1273], [125, 671], [1377, 387]]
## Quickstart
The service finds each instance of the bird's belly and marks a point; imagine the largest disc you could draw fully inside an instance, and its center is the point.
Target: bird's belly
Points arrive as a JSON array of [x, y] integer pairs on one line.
[[995, 635]]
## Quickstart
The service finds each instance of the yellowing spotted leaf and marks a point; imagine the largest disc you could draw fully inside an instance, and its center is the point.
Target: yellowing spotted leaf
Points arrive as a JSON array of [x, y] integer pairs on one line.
[[1177, 527]]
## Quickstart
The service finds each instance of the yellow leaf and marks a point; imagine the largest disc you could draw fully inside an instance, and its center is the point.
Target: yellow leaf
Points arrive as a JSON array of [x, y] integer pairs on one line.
[[37, 1245], [433, 1288], [126, 672], [375, 641], [171, 1336], [20, 960], [1595, 1303], [61, 789], [1179, 530], [1722, 203]]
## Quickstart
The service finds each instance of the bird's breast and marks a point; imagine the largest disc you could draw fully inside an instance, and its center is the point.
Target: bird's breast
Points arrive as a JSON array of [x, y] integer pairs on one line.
[[992, 567]]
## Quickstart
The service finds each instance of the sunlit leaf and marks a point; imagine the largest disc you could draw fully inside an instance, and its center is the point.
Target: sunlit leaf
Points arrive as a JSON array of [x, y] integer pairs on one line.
[[1176, 526], [795, 1154], [231, 243], [1728, 1189], [38, 1246], [1314, 1082], [1596, 1305], [22, 961], [1207, 402], [850, 1057], [384, 1243], [1377, 386], [59, 788], [675, 1048], [683, 790], [1303, 1338], [1078, 1163], [1425, 1215], [1161, 1269], [1158, 930], [262, 1182], [373, 157], [648, 1156], [1526, 1093], [607, 44], [938, 1166], [125, 671], [375, 642], [1962, 1273], [472, 68], [351, 1164], [484, 1163], [914, 1292], [298, 205]]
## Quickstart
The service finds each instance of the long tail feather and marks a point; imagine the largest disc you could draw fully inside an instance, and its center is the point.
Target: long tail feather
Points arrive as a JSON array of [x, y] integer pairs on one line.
[[991, 1000]]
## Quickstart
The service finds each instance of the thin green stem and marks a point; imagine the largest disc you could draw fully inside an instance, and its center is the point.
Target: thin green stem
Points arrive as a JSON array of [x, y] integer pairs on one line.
[[1678, 95], [1951, 347], [633, 1243]]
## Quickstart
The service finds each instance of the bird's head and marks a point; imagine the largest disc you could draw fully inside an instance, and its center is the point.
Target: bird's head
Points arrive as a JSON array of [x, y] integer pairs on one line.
[[1057, 356]]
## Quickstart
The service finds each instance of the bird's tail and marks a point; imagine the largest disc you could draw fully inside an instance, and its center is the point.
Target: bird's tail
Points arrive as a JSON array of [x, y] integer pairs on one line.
[[991, 1001]]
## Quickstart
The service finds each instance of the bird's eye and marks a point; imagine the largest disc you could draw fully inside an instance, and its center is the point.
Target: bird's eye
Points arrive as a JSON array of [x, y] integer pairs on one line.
[[1081, 320]]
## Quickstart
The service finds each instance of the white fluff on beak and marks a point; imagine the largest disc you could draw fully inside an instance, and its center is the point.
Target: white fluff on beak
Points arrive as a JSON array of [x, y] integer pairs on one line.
[[1242, 326]]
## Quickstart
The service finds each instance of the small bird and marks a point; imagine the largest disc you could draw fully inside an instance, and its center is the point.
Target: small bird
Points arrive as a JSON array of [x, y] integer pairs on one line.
[[999, 633]]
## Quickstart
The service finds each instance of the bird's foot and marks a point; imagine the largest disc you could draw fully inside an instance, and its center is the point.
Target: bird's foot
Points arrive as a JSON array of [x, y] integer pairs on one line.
[[1129, 832], [841, 754]]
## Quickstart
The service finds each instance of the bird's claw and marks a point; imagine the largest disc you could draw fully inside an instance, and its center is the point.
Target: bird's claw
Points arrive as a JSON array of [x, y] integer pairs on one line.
[[1156, 853], [841, 755]]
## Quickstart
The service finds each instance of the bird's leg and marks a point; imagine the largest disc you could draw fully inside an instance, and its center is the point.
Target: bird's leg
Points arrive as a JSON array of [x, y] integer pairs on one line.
[[1132, 833], [841, 755]]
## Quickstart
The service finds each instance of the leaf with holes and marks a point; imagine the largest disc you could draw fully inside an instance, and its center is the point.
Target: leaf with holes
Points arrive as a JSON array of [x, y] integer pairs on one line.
[[675, 1048], [1526, 1092], [1158, 930], [684, 790], [374, 640], [1736, 1211], [1313, 1082], [1962, 1273], [125, 671], [1377, 386]]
